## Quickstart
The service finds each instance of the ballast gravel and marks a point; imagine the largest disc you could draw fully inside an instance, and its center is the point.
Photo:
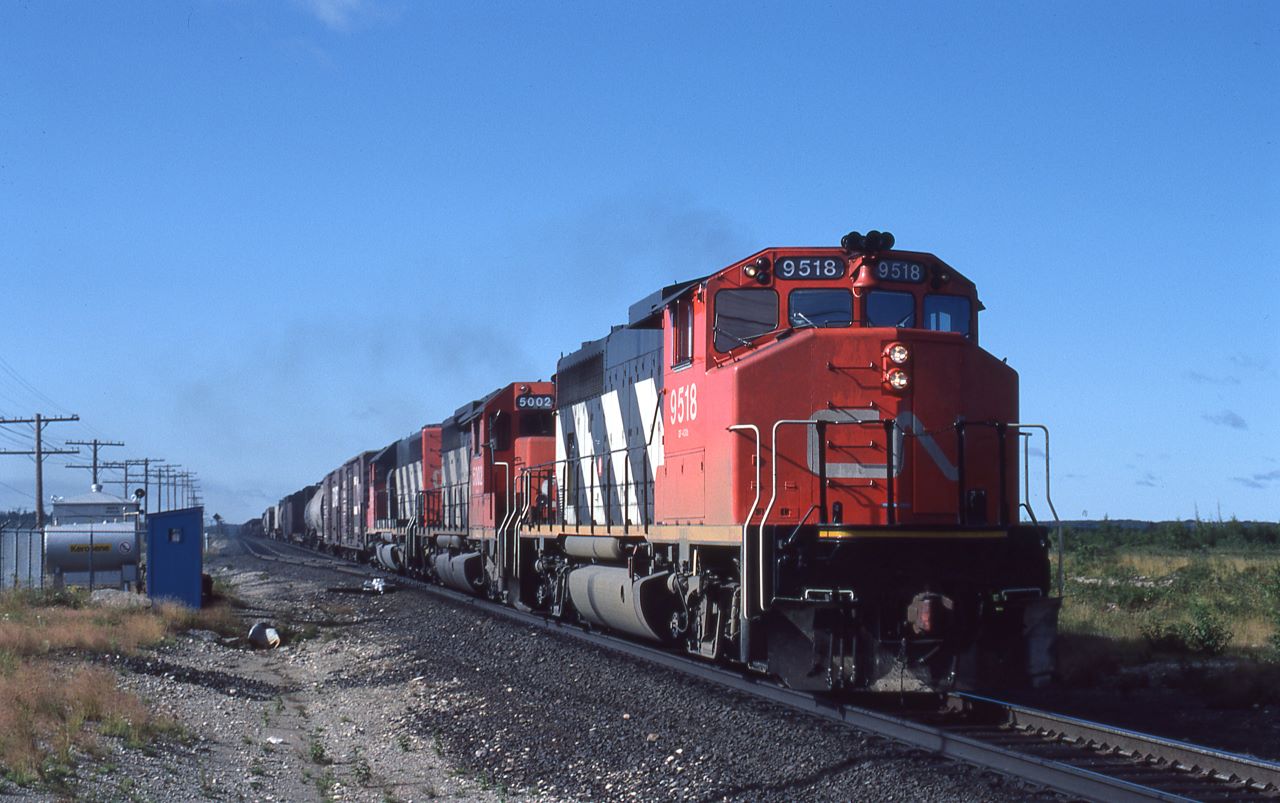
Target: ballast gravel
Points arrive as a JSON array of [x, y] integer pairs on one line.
[[408, 697]]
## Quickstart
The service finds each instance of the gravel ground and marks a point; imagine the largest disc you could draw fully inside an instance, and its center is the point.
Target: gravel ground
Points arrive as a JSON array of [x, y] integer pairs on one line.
[[529, 713], [411, 697]]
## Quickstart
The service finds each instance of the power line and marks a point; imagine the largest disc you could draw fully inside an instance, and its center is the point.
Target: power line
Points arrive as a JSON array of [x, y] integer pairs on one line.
[[96, 444], [40, 423], [18, 491], [11, 371]]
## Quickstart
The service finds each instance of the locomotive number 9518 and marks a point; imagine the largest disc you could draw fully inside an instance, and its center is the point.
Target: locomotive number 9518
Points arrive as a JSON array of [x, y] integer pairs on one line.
[[810, 268], [896, 271], [684, 404]]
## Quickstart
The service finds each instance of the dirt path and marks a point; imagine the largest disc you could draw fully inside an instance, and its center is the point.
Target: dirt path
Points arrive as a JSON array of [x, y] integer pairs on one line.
[[308, 721]]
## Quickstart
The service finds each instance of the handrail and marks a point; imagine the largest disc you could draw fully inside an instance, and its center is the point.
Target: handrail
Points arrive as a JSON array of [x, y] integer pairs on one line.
[[755, 503], [526, 484], [889, 425], [773, 495], [1048, 496], [1025, 504], [506, 516], [631, 487]]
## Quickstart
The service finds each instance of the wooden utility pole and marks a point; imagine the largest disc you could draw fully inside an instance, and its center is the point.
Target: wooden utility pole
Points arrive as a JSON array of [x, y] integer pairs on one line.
[[40, 452], [122, 465], [96, 444], [166, 487]]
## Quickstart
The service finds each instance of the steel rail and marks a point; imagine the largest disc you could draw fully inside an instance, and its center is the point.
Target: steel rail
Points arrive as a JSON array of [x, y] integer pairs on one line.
[[1253, 773], [1086, 760]]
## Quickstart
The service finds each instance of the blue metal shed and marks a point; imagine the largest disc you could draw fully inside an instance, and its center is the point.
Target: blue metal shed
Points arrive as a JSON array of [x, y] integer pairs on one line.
[[175, 555]]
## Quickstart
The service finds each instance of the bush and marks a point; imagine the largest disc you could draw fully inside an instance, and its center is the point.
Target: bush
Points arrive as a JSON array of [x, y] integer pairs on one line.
[[1204, 634]]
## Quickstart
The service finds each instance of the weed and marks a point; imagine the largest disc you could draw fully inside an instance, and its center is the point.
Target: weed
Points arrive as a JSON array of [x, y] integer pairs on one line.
[[46, 713], [325, 785], [1204, 634], [361, 771], [293, 635], [318, 754], [208, 786], [1193, 603], [403, 741]]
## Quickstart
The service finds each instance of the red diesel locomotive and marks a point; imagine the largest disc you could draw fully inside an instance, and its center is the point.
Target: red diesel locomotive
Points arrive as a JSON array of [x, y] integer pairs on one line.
[[803, 463]]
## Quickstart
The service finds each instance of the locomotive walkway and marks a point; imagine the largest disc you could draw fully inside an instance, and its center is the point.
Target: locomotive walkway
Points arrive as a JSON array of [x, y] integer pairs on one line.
[[1076, 757]]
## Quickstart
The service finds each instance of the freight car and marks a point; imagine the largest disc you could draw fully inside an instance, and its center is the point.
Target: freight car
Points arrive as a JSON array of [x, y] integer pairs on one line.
[[803, 463], [284, 521]]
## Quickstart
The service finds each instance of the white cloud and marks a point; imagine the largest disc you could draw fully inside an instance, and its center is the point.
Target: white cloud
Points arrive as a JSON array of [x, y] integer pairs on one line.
[[340, 15]]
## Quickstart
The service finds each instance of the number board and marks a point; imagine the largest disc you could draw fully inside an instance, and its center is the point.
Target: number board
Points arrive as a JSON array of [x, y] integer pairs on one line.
[[894, 270], [799, 267], [535, 402]]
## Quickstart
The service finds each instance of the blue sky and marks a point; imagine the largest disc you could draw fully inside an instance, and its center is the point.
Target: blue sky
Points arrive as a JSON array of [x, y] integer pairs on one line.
[[257, 237]]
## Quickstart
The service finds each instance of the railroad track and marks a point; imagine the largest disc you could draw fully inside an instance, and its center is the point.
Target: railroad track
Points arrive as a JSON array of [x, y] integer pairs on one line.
[[1075, 757]]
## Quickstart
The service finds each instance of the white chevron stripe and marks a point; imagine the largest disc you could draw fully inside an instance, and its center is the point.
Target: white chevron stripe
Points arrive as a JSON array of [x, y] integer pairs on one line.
[[651, 419], [616, 433]]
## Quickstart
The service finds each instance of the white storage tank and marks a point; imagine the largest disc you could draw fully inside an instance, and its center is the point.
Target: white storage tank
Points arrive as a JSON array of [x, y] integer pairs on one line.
[[93, 540]]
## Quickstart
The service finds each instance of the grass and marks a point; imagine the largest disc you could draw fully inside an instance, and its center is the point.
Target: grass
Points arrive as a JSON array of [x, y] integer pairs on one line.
[[1176, 603], [45, 713], [35, 624], [1202, 598], [55, 707]]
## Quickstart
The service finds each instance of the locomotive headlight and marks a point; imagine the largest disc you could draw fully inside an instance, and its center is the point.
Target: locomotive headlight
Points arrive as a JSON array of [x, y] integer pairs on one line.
[[898, 379], [898, 353]]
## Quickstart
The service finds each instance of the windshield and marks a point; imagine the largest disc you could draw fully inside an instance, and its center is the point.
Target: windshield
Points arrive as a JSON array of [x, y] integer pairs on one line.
[[885, 308], [820, 308], [946, 313], [742, 315]]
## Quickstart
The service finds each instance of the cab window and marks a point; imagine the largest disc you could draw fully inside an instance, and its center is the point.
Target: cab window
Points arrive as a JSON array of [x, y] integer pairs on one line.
[[820, 308], [537, 422], [946, 314], [886, 308], [743, 315], [499, 431], [682, 331]]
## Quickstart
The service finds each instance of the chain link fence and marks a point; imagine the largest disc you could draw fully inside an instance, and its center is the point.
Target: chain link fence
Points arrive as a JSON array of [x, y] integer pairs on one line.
[[21, 558]]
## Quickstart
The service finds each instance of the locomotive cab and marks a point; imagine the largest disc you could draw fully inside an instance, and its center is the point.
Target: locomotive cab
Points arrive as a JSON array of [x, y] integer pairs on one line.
[[470, 514], [870, 451]]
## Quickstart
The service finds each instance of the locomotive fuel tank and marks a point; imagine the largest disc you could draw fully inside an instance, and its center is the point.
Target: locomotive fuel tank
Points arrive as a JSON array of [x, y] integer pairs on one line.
[[613, 598], [389, 557], [463, 572]]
